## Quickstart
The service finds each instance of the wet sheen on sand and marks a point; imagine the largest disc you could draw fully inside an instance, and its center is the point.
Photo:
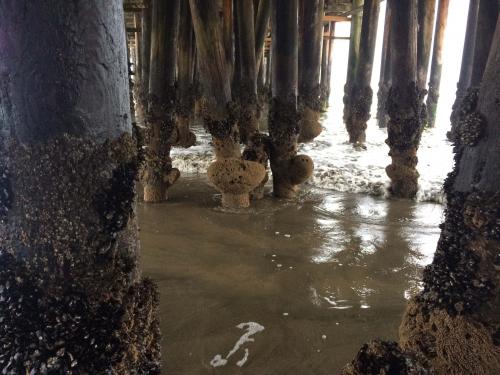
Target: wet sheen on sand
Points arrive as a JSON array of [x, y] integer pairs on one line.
[[321, 276]]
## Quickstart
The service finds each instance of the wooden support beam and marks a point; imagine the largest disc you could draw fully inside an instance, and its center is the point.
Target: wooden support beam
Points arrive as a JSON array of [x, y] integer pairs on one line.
[[327, 18]]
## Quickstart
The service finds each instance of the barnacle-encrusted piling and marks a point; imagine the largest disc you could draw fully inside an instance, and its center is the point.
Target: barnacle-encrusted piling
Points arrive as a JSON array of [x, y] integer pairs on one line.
[[219, 112], [309, 69], [385, 71], [454, 321], [161, 131], [289, 169], [481, 24], [404, 129], [361, 94], [72, 299], [386, 357]]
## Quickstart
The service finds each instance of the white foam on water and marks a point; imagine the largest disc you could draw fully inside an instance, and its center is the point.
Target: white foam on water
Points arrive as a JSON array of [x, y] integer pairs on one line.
[[251, 328]]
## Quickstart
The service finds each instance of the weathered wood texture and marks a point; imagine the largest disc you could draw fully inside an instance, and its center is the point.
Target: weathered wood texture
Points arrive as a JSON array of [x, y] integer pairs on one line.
[[146, 20], [426, 16], [385, 70], [261, 27], [465, 79], [360, 92], [404, 129], [289, 170], [161, 127], [437, 61], [35, 108]]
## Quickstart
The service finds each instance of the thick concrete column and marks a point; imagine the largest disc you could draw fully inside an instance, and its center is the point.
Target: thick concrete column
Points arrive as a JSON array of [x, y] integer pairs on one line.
[[233, 177], [289, 169], [161, 129], [72, 299], [360, 93], [404, 129], [437, 62], [310, 69], [385, 71], [454, 321]]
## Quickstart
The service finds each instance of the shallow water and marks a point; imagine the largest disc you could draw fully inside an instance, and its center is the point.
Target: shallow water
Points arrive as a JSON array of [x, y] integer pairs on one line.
[[321, 276]]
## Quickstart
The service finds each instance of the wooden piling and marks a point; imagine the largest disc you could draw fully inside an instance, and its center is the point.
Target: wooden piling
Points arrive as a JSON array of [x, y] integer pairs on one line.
[[161, 131], [404, 129], [72, 297], [361, 94], [437, 61], [465, 78], [310, 69], [288, 168], [426, 17], [385, 70]]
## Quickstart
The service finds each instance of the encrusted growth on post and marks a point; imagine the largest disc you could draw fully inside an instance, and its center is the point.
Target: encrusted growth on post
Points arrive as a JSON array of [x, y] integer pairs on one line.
[[454, 321], [93, 301], [361, 94]]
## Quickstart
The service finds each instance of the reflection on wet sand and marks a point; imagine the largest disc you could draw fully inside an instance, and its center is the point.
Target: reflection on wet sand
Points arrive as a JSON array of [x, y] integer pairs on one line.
[[322, 276]]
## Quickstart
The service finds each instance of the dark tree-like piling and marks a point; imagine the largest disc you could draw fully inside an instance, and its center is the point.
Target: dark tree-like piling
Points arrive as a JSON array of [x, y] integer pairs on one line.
[[385, 71], [326, 65], [465, 78], [404, 101], [454, 321], [231, 175], [352, 62], [142, 85], [360, 92], [227, 31], [310, 69], [486, 23], [426, 16], [161, 132], [137, 52], [289, 169], [247, 89], [185, 78], [261, 27], [72, 299], [437, 61]]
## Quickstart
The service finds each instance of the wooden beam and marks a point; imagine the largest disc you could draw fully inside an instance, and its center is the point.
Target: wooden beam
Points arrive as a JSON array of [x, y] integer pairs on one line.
[[327, 18]]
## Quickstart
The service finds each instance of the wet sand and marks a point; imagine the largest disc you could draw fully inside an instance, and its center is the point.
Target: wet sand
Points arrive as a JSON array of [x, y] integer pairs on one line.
[[321, 275]]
